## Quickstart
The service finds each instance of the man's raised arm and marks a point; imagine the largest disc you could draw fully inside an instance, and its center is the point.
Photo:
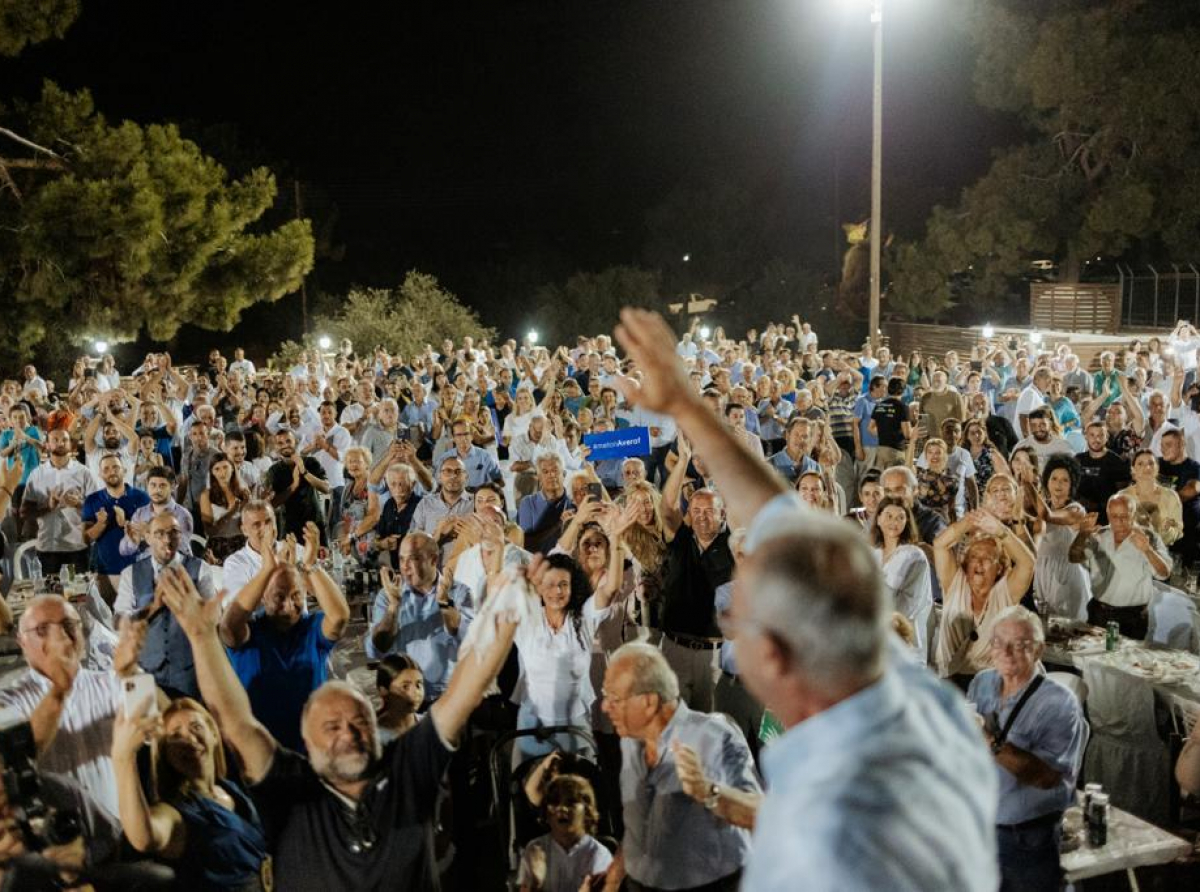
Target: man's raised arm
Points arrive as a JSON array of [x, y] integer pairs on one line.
[[745, 482]]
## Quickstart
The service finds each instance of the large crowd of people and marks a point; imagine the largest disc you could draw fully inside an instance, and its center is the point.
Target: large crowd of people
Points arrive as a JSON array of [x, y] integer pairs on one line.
[[716, 664]]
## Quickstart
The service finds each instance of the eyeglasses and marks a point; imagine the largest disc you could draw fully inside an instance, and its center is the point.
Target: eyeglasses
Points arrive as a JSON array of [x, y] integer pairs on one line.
[[592, 543], [69, 627], [618, 700], [1020, 647]]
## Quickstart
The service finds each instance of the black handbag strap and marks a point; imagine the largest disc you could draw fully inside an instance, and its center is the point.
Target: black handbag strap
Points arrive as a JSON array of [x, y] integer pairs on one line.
[[1012, 716]]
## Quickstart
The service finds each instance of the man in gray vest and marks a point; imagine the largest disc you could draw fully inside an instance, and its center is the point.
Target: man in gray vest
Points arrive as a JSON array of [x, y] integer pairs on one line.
[[166, 653]]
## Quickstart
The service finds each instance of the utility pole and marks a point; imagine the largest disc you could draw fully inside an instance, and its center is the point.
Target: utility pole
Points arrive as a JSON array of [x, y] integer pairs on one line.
[[303, 286], [876, 232]]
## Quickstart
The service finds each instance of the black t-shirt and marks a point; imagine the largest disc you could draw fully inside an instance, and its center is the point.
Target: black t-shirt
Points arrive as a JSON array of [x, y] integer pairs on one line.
[[1099, 479], [313, 834], [302, 505], [889, 414], [690, 583], [1177, 476]]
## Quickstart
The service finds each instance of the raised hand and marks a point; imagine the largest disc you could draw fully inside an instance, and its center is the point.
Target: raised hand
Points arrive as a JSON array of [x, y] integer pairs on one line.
[[132, 634], [102, 517], [131, 733], [195, 616], [692, 779], [650, 343], [119, 515], [392, 586], [312, 544]]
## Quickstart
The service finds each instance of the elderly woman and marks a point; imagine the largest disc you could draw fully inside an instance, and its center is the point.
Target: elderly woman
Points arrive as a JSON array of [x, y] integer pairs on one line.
[[993, 573], [937, 486], [1062, 586], [359, 510], [905, 567], [196, 820]]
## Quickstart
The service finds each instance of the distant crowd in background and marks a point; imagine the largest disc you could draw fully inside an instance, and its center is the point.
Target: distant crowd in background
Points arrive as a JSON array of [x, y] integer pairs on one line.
[[724, 657]]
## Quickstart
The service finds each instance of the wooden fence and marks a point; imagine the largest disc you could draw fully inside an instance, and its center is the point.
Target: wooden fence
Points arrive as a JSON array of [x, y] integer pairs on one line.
[[1090, 308]]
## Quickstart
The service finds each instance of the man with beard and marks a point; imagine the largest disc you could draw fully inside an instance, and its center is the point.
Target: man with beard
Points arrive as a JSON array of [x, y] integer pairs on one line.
[[105, 513], [160, 482], [293, 483], [54, 495], [281, 655], [1044, 442], [353, 815], [438, 513], [116, 438], [1102, 473]]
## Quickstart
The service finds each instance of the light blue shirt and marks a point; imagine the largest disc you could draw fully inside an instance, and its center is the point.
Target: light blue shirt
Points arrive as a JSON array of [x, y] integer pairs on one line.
[[1050, 726], [782, 462], [480, 464], [421, 632], [892, 788], [863, 407], [637, 416], [672, 841], [772, 428], [722, 599]]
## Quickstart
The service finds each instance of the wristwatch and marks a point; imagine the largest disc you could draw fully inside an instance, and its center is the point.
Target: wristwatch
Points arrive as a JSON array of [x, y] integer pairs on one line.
[[713, 799]]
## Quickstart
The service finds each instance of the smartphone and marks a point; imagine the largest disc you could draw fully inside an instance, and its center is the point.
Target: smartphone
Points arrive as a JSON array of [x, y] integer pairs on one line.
[[596, 491], [139, 695], [402, 435], [89, 373]]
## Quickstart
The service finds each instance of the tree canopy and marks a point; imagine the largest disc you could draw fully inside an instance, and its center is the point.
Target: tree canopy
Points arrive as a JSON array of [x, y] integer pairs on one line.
[[1107, 92], [405, 319], [591, 301], [119, 227]]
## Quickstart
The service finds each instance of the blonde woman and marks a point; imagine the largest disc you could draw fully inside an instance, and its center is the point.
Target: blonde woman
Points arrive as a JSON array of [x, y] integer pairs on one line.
[[359, 511], [1158, 507]]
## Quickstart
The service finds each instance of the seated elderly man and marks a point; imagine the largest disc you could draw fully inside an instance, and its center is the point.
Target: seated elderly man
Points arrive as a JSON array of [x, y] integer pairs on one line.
[[70, 708], [540, 513], [354, 814], [165, 654], [421, 614], [873, 742], [673, 841], [1124, 562], [280, 656], [1036, 731]]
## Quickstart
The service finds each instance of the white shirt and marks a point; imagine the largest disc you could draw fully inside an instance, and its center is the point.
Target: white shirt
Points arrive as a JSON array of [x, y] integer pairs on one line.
[[1121, 575], [556, 667], [124, 604], [1053, 446], [245, 366], [82, 748], [62, 528], [1031, 398], [339, 438], [35, 389]]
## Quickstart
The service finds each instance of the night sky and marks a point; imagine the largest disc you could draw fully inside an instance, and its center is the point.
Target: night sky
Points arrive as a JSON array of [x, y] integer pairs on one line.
[[457, 136]]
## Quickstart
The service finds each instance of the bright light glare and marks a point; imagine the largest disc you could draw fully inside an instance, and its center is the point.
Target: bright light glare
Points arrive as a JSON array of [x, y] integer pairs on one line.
[[100, 346], [532, 336], [705, 331], [1035, 337], [687, 257], [989, 331], [324, 342]]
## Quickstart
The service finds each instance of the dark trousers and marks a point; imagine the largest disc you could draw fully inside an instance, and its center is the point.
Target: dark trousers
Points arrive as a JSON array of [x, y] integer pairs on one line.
[[1029, 856], [732, 698], [53, 561], [1134, 621]]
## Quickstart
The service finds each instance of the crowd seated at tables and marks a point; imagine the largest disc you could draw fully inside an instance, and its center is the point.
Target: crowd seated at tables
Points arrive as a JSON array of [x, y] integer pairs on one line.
[[720, 662]]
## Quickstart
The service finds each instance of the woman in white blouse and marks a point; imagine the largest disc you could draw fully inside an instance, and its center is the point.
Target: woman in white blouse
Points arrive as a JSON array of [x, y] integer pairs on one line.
[[905, 567], [517, 422], [555, 652]]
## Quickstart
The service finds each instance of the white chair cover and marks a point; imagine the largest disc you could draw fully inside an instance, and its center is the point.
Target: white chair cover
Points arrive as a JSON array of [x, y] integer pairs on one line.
[[26, 564], [1174, 620], [1126, 754], [1072, 682]]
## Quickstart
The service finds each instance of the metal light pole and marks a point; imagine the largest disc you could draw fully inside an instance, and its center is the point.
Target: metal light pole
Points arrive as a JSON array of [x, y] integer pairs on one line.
[[876, 230]]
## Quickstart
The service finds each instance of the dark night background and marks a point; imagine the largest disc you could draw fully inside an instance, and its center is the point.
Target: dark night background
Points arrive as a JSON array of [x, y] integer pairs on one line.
[[468, 139]]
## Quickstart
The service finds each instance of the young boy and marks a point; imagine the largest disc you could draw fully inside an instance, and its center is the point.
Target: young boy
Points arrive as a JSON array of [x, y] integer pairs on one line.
[[567, 856]]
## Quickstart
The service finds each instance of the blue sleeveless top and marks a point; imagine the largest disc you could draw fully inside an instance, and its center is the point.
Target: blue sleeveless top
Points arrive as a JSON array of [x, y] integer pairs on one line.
[[225, 849]]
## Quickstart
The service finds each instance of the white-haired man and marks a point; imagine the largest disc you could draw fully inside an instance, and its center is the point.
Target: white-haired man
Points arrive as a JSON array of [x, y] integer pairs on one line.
[[873, 742], [1036, 731], [673, 841]]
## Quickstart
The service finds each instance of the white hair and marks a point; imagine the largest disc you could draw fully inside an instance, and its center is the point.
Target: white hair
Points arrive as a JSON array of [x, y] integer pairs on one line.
[[1018, 614], [652, 674]]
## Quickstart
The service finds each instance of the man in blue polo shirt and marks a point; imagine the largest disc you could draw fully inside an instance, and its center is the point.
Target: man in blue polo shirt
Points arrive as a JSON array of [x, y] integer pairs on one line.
[[793, 459], [104, 515]]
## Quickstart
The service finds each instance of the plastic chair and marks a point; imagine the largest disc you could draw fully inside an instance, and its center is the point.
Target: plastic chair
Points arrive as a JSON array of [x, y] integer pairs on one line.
[[198, 545], [26, 564], [1072, 682]]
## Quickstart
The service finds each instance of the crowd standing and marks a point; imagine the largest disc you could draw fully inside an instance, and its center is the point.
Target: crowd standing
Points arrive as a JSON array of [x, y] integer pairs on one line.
[[772, 560]]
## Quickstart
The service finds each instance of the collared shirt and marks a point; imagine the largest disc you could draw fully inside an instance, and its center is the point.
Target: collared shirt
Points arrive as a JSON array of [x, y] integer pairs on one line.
[[772, 428], [106, 551], [61, 528], [432, 508], [541, 519], [421, 632], [1122, 575], [82, 748], [783, 463], [481, 466], [864, 408], [664, 424], [145, 514], [1050, 726], [690, 581], [555, 682], [672, 841], [127, 597], [892, 788], [340, 440]]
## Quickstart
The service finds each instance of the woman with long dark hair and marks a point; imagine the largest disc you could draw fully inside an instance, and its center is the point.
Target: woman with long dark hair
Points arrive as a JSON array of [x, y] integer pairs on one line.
[[221, 508]]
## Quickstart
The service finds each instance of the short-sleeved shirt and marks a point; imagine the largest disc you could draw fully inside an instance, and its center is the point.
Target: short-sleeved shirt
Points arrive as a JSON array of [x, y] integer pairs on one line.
[[1100, 478], [889, 414], [317, 838], [302, 505], [59, 529], [690, 583], [565, 869], [280, 669], [107, 553], [1050, 726]]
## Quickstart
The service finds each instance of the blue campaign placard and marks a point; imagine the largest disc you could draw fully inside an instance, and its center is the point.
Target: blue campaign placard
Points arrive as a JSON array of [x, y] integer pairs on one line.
[[627, 442]]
